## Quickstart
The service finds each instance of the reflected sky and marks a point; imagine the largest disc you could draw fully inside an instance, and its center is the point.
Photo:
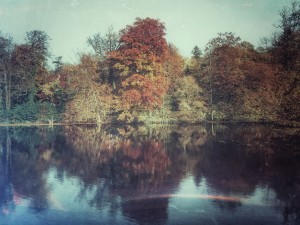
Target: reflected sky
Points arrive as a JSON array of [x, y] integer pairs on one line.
[[172, 175]]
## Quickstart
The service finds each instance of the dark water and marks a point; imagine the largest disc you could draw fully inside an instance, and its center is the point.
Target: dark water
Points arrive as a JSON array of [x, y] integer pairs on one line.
[[235, 174]]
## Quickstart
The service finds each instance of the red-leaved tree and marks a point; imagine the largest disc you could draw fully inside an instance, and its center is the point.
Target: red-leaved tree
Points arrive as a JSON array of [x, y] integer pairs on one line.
[[139, 60]]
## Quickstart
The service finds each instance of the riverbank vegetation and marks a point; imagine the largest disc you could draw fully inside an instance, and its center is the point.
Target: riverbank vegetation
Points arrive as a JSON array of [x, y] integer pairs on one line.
[[135, 75]]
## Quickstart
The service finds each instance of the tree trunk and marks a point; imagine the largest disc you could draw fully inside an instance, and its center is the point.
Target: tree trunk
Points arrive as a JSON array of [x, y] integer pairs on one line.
[[211, 88], [7, 85], [6, 89], [9, 91]]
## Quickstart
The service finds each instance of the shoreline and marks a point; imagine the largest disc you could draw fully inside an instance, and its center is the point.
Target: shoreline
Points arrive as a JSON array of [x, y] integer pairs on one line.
[[154, 123], [41, 124]]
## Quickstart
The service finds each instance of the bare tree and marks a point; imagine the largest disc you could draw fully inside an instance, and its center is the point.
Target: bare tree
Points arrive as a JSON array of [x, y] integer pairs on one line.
[[103, 44]]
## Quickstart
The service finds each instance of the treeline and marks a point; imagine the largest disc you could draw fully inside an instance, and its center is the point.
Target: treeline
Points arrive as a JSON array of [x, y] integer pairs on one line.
[[135, 75], [28, 91]]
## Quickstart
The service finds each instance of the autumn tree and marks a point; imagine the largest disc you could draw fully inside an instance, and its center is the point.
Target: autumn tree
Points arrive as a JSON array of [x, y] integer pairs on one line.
[[91, 101], [286, 57], [173, 71], [184, 100], [142, 48], [215, 67], [29, 63], [139, 61], [258, 95], [30, 73], [140, 93], [173, 66], [238, 80], [188, 101]]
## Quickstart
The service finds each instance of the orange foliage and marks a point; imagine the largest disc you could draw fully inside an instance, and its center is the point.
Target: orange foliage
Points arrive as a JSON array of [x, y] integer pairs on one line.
[[92, 101], [146, 36], [174, 64], [144, 92], [140, 58], [147, 158], [143, 45]]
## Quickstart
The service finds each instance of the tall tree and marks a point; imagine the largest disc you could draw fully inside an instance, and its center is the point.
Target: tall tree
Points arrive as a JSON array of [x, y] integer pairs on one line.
[[287, 42], [139, 60], [29, 64], [218, 54], [6, 47], [38, 43], [286, 55], [233, 74], [174, 64], [102, 46], [143, 48]]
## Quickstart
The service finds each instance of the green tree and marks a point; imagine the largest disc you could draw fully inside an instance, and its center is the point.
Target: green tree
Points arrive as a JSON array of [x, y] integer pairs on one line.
[[38, 43], [6, 47], [58, 63], [29, 79], [188, 101], [196, 52]]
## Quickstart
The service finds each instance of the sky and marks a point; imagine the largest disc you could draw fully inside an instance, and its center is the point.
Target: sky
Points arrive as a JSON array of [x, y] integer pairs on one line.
[[188, 22]]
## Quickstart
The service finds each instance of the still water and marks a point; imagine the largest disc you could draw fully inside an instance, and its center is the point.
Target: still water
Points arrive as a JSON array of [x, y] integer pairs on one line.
[[226, 174]]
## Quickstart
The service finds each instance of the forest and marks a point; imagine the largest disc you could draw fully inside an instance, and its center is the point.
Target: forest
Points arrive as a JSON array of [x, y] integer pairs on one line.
[[136, 76]]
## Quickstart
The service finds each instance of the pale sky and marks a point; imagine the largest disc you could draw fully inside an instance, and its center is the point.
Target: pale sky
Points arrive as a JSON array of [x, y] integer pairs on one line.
[[188, 22]]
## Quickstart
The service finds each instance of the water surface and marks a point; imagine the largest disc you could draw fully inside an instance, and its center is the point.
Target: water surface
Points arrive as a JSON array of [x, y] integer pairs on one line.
[[229, 174]]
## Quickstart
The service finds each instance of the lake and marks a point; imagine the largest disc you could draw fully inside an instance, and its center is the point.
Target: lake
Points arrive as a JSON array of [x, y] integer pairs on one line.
[[200, 174]]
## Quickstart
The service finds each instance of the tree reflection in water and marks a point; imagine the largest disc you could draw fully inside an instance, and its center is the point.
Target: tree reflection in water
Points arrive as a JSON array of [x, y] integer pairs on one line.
[[120, 164], [7, 203], [124, 167]]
